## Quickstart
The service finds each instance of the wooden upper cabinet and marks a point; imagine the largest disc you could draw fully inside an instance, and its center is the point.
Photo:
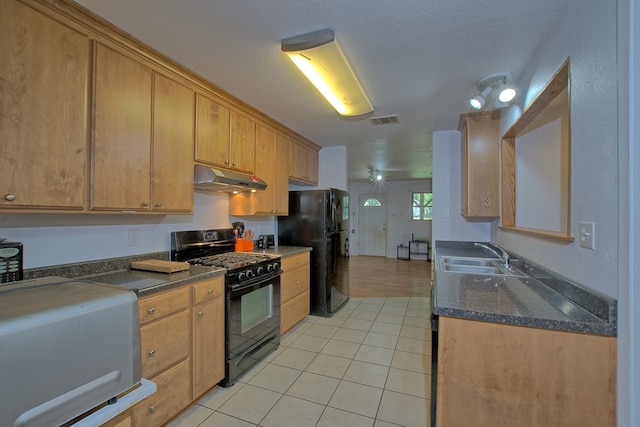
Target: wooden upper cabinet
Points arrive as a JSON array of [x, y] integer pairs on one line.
[[281, 178], [121, 150], [480, 164], [173, 136], [271, 165], [135, 167], [212, 132], [303, 164], [224, 137], [242, 144], [44, 78], [265, 168]]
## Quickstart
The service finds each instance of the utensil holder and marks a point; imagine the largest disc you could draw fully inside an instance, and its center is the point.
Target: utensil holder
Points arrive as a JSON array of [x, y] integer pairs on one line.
[[243, 245]]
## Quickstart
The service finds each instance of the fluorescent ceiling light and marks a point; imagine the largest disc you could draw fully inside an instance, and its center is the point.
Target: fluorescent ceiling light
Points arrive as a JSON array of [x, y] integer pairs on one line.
[[321, 60]]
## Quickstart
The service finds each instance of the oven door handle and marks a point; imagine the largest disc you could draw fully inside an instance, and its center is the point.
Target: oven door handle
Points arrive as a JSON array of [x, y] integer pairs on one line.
[[251, 282]]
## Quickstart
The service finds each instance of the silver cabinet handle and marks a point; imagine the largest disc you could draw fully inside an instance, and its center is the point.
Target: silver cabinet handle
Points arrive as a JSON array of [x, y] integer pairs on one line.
[[151, 310], [151, 353], [145, 203], [200, 313], [210, 291], [152, 408], [158, 204], [10, 197]]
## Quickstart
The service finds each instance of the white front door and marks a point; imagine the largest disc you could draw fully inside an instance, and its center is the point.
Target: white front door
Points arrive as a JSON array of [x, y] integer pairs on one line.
[[372, 224]]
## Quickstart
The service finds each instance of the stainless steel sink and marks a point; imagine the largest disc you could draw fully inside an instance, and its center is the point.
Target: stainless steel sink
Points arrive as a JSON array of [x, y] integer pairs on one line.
[[464, 261], [474, 265]]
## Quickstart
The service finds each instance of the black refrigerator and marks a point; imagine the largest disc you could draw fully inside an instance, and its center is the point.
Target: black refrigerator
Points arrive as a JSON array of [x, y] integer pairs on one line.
[[320, 219]]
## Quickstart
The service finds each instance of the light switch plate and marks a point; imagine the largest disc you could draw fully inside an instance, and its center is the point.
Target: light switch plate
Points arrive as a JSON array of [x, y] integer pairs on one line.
[[588, 235]]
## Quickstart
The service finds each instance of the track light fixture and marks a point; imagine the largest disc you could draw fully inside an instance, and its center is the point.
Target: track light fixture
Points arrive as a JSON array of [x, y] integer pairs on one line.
[[501, 84]]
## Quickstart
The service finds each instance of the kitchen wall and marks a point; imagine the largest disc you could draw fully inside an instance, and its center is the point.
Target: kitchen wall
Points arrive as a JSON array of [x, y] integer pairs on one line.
[[62, 239], [587, 34], [400, 226]]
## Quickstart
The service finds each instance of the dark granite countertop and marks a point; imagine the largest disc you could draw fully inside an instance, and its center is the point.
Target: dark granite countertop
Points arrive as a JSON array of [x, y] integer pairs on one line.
[[117, 271], [540, 300], [147, 282]]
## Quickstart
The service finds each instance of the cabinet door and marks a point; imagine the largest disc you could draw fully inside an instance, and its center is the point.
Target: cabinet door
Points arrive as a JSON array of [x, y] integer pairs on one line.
[[298, 162], [212, 132], [121, 155], [164, 343], [293, 311], [281, 178], [243, 142], [481, 166], [303, 164], [172, 396], [173, 142], [44, 75], [208, 345], [265, 169], [312, 163]]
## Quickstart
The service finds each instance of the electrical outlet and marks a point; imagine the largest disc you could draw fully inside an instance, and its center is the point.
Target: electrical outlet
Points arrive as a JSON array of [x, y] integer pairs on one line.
[[588, 235], [134, 237]]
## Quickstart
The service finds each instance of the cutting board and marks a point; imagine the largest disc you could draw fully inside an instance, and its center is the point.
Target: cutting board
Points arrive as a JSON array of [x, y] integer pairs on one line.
[[160, 265]]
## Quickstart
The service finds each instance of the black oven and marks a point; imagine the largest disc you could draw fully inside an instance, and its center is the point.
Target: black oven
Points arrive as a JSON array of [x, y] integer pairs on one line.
[[252, 295], [253, 324]]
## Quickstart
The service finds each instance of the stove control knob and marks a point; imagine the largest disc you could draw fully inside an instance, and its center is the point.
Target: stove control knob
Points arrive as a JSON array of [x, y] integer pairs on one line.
[[259, 271], [241, 276], [250, 274], [274, 266]]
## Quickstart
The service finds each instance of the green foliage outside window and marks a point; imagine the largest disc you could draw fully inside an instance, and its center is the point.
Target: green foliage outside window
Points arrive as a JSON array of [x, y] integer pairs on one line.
[[422, 206]]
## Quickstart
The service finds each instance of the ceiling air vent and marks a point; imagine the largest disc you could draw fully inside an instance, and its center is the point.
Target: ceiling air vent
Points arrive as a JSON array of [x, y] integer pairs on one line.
[[385, 120]]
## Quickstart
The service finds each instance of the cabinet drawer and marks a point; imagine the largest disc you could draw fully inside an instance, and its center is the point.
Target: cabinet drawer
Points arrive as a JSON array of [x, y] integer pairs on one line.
[[172, 396], [295, 261], [293, 283], [165, 342], [208, 289], [294, 311], [156, 306]]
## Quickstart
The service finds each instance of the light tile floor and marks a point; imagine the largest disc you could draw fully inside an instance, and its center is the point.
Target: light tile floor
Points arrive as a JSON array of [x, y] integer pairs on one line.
[[368, 365]]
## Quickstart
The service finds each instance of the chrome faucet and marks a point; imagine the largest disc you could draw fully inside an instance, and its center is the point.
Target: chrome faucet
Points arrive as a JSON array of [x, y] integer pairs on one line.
[[504, 256]]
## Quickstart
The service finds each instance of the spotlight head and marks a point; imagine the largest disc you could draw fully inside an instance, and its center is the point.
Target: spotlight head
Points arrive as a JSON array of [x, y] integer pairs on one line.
[[507, 94]]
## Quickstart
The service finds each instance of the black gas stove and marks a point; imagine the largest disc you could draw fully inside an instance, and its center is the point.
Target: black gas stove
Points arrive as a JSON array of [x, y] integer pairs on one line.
[[215, 248], [252, 295]]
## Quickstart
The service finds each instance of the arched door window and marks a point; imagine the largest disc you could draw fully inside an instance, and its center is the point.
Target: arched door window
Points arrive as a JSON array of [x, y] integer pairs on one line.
[[372, 202]]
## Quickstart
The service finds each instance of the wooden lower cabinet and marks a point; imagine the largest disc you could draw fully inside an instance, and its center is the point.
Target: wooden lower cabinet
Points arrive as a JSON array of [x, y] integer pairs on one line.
[[208, 335], [122, 420], [294, 290], [172, 396], [293, 311], [164, 343], [182, 341], [491, 374]]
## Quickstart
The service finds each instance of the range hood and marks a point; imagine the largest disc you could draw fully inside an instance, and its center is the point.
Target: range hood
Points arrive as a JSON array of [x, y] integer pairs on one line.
[[211, 179]]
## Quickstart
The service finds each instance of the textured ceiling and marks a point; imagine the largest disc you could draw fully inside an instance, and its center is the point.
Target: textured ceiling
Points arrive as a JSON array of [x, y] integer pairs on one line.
[[417, 59]]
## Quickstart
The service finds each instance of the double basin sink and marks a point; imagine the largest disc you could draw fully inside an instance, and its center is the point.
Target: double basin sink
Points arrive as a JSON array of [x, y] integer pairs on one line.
[[478, 265]]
